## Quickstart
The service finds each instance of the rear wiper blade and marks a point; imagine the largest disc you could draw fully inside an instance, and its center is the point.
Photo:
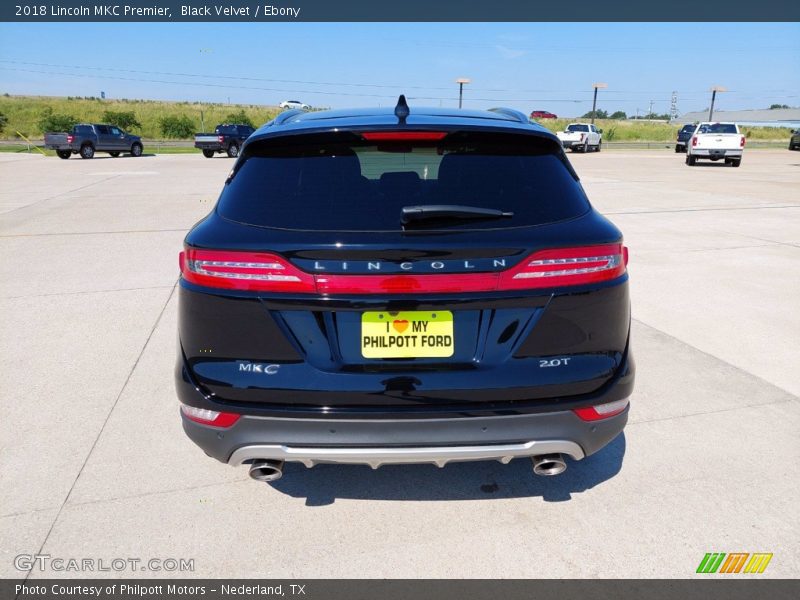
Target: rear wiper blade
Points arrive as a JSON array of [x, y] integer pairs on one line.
[[450, 211]]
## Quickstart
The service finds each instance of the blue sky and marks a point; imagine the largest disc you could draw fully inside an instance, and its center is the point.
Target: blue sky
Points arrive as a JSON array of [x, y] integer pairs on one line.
[[547, 66]]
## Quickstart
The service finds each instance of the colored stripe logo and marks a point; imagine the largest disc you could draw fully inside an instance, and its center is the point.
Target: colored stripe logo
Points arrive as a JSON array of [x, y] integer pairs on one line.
[[734, 562]]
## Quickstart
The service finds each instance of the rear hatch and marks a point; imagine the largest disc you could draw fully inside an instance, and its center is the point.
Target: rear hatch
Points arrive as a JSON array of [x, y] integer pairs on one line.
[[427, 269]]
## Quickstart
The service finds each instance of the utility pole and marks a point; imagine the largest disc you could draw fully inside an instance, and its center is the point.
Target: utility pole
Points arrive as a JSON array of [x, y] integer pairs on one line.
[[461, 81], [650, 114], [596, 87], [714, 90], [673, 109]]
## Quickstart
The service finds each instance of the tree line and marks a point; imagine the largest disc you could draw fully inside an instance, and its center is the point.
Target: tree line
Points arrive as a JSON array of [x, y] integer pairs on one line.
[[171, 126]]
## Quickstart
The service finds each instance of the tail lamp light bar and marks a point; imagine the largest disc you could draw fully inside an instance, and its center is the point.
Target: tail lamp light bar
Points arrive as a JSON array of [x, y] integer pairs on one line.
[[257, 272]]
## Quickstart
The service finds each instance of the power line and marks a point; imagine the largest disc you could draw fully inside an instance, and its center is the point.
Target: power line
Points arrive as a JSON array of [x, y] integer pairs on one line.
[[359, 84]]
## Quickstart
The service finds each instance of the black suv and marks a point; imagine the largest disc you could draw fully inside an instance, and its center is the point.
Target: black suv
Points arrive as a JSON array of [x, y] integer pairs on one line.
[[403, 286], [684, 135]]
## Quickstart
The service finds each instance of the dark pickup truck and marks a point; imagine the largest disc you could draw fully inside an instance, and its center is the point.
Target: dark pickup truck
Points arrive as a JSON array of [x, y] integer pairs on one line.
[[86, 139], [684, 135], [226, 138]]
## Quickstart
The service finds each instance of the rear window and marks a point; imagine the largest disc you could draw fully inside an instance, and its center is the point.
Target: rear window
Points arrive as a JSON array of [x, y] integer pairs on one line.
[[362, 186], [688, 128], [577, 128], [718, 128]]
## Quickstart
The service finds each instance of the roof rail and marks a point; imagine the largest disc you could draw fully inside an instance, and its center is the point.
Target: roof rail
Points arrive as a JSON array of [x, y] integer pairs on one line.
[[288, 115], [511, 113]]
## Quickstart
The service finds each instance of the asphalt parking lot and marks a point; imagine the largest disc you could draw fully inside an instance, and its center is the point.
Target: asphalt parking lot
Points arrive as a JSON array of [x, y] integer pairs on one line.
[[93, 461]]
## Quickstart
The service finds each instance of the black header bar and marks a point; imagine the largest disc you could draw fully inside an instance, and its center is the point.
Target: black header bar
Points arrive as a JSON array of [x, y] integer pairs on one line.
[[398, 10]]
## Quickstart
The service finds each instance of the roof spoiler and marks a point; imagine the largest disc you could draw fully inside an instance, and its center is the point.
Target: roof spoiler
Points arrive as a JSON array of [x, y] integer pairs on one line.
[[288, 115], [510, 113]]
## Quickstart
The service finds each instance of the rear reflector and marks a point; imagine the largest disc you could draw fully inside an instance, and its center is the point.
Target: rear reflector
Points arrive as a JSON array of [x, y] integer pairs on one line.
[[257, 271], [403, 136], [209, 417], [602, 411]]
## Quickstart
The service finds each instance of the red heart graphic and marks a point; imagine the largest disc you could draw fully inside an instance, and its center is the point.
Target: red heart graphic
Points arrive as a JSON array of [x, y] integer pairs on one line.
[[400, 326]]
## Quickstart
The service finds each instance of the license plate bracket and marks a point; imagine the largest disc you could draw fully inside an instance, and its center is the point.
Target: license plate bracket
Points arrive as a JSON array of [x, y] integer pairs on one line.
[[407, 334]]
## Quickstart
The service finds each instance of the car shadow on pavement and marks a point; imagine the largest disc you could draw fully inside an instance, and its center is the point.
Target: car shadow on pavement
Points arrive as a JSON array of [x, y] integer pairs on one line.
[[108, 157], [486, 480]]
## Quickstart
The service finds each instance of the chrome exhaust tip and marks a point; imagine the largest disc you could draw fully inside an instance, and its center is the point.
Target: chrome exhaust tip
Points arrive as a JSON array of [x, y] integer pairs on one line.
[[548, 465], [266, 470]]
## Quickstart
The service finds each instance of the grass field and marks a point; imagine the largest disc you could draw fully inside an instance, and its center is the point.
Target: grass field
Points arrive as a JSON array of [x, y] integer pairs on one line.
[[24, 112]]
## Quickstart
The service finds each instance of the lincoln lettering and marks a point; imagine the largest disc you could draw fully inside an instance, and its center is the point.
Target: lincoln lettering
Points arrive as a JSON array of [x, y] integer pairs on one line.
[[436, 265]]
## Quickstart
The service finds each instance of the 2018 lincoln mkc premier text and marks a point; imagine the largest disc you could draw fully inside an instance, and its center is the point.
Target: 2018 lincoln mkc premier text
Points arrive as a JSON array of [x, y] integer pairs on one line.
[[403, 286]]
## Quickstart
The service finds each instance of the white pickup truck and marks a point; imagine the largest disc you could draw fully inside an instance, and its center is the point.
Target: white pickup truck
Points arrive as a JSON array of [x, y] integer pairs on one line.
[[581, 137], [716, 141]]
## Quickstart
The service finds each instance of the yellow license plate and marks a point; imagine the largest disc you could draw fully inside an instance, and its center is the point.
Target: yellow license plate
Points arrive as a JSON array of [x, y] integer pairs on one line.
[[409, 334]]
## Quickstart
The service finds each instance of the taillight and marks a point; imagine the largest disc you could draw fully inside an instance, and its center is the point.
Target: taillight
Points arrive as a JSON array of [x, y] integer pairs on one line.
[[249, 271], [212, 418], [403, 136], [567, 266], [694, 141], [70, 138], [221, 138], [602, 411], [256, 271], [741, 142]]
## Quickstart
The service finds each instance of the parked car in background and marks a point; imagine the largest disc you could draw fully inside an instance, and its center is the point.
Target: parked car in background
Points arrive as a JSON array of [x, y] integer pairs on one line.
[[581, 137], [86, 139], [684, 135], [293, 104], [416, 285], [794, 141], [226, 138], [542, 114], [716, 141]]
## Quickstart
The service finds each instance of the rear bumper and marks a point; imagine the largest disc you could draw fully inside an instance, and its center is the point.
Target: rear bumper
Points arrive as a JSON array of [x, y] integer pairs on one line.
[[376, 442], [713, 153], [215, 146]]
